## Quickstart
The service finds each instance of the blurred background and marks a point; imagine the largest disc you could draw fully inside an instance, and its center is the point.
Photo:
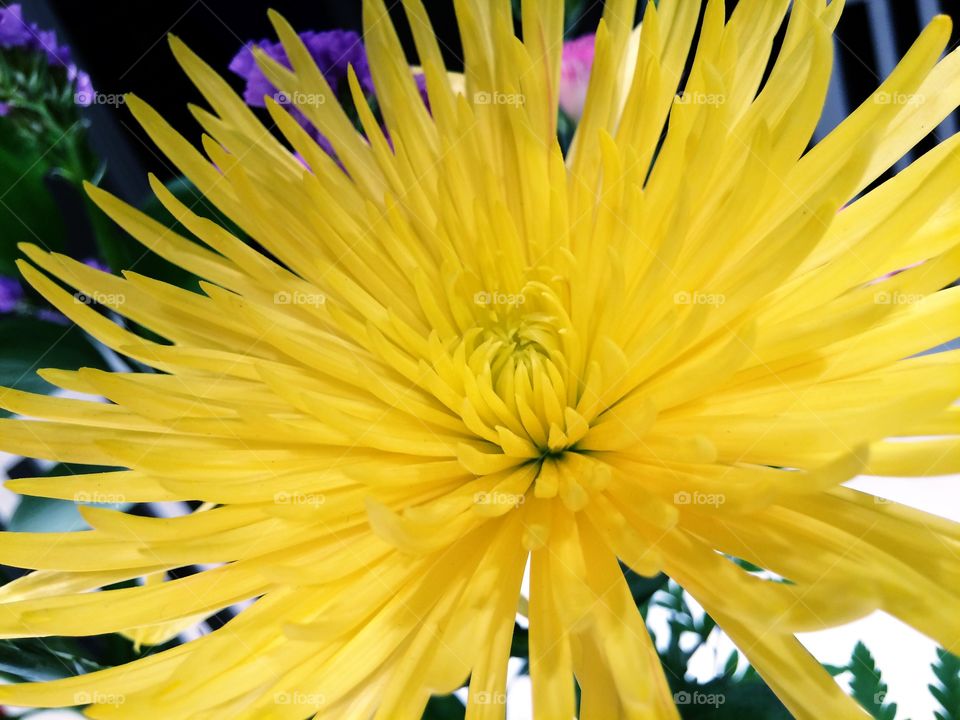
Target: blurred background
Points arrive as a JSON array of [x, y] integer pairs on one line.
[[123, 48], [48, 146]]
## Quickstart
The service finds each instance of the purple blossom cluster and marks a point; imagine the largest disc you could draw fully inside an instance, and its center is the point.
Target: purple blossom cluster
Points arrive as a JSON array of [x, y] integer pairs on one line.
[[334, 51], [17, 33], [10, 294]]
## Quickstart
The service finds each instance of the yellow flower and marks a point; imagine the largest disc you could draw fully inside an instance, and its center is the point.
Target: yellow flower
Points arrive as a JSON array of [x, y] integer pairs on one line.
[[467, 351]]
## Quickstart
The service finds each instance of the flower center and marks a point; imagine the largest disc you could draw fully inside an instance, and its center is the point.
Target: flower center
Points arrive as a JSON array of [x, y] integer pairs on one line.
[[519, 390], [529, 341]]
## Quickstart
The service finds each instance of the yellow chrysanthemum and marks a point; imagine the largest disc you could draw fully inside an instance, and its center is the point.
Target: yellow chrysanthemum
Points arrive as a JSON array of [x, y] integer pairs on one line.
[[465, 351]]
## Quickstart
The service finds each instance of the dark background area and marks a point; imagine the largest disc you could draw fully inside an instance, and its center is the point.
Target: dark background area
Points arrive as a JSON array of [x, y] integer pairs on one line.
[[123, 46]]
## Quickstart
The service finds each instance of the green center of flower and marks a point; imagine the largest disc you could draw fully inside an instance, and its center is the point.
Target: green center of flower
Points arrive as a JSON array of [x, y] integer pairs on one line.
[[519, 391], [530, 341]]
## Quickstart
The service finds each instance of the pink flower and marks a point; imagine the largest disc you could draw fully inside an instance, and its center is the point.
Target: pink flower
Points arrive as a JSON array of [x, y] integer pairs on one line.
[[575, 75]]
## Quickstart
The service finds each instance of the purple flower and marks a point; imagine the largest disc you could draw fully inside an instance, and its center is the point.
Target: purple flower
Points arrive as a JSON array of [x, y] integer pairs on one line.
[[10, 294], [333, 51], [14, 32], [421, 81], [82, 87], [96, 264], [46, 42], [52, 316], [4, 109]]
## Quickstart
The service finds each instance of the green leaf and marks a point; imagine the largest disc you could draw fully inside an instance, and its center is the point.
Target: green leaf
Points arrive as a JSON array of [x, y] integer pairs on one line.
[[867, 686], [520, 644], [573, 13], [947, 690], [729, 700], [445, 707], [704, 626], [730, 667], [148, 263], [41, 659], [643, 588], [835, 670], [27, 209], [520, 647], [29, 344], [746, 565], [39, 514]]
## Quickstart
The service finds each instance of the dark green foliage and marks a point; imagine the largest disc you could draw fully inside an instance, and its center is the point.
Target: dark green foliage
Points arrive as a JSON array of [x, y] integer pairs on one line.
[[41, 344], [867, 685], [947, 689], [446, 707]]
